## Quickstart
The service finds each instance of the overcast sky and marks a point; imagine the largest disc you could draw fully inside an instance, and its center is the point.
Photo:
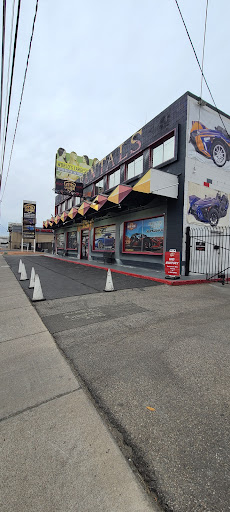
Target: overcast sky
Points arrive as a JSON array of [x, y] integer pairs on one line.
[[98, 71]]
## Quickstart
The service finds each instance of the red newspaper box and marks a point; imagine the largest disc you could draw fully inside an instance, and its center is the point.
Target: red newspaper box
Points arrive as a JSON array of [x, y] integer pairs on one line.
[[172, 264]]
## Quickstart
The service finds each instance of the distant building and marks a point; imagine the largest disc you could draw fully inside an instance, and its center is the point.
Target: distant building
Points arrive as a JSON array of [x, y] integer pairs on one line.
[[43, 238], [4, 242]]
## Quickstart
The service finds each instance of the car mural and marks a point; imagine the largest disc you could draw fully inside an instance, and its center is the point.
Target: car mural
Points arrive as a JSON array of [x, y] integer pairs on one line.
[[209, 209], [213, 144], [144, 243], [106, 241]]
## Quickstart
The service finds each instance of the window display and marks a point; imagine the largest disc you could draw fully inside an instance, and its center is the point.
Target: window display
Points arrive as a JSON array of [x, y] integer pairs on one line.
[[144, 236], [60, 241], [104, 238], [72, 240]]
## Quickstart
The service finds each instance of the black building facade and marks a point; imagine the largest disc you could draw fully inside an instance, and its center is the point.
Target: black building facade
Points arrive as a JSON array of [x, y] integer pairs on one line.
[[134, 200]]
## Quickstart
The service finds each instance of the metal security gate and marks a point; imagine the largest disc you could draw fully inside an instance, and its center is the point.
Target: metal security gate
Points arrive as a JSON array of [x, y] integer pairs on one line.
[[208, 252]]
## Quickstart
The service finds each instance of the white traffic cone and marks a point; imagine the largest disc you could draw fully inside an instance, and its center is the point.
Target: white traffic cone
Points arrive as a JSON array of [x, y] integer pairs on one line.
[[32, 278], [37, 295], [23, 273], [20, 267], [109, 282]]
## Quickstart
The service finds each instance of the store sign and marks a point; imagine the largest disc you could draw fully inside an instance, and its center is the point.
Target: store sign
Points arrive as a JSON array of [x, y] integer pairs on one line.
[[144, 236], [172, 263], [69, 170], [29, 220]]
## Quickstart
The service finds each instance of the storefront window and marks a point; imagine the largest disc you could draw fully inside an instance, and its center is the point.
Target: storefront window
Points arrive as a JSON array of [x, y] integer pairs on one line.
[[60, 239], [144, 236], [99, 187], [114, 179], [77, 201], [164, 152], [135, 167], [104, 238], [72, 241]]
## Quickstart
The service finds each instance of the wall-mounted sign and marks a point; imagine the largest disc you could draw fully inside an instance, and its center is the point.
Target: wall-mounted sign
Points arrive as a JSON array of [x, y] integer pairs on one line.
[[69, 170], [200, 246]]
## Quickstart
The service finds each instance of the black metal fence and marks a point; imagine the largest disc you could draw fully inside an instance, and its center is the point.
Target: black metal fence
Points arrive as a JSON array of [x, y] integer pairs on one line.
[[208, 252]]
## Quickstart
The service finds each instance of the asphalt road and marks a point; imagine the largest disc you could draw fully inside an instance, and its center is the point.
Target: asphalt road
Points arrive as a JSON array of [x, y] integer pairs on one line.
[[65, 279], [163, 347]]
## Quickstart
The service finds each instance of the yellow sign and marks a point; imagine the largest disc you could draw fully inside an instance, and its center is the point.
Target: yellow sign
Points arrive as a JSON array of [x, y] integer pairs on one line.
[[70, 167], [29, 208]]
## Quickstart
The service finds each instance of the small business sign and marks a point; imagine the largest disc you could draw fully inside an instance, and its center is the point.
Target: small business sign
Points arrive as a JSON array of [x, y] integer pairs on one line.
[[200, 246], [172, 263], [29, 220]]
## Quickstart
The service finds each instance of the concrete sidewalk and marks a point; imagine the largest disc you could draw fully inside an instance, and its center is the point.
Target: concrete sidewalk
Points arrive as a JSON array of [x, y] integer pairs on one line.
[[57, 455]]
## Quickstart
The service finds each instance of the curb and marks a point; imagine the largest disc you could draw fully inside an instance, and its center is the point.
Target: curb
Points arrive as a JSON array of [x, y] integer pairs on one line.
[[140, 276]]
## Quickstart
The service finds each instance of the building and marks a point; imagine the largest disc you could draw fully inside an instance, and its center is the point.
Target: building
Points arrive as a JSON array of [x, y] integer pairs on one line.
[[4, 242], [44, 238], [140, 200]]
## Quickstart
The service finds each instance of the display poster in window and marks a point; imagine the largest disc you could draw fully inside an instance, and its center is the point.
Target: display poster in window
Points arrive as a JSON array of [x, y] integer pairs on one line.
[[72, 241], [69, 171], [60, 241], [29, 220], [144, 236], [104, 238]]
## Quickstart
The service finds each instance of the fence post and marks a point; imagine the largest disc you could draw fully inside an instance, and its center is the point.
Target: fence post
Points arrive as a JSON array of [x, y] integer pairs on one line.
[[187, 252]]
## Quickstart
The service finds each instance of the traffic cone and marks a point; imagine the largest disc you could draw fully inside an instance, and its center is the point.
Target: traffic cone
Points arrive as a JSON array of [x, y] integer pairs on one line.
[[37, 295], [20, 267], [23, 273], [32, 278], [109, 282]]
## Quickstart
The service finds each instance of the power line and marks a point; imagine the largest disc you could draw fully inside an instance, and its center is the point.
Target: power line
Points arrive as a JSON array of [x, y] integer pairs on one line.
[[11, 83], [20, 103], [3, 54], [8, 72], [205, 25], [198, 62]]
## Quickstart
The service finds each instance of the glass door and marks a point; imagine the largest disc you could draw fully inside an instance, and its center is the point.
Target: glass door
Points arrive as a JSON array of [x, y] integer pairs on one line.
[[84, 244]]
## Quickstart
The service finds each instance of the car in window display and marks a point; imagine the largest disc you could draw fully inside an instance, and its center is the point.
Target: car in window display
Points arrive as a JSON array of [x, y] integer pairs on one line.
[[209, 209], [213, 144], [149, 243], [106, 241]]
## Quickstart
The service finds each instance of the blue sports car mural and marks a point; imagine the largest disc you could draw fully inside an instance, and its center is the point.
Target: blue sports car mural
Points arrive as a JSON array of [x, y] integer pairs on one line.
[[209, 209], [213, 144], [106, 241]]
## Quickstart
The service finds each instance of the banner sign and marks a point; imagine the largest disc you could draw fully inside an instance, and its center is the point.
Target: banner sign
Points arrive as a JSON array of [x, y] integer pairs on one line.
[[144, 236], [69, 170], [172, 263], [69, 188], [29, 220]]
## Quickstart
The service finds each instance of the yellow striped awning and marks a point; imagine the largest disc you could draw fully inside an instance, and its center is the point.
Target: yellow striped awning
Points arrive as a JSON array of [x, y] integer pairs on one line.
[[84, 208], [119, 193], [143, 185], [98, 202]]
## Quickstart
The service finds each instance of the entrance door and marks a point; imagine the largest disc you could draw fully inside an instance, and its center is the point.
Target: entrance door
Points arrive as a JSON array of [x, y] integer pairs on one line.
[[84, 244]]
